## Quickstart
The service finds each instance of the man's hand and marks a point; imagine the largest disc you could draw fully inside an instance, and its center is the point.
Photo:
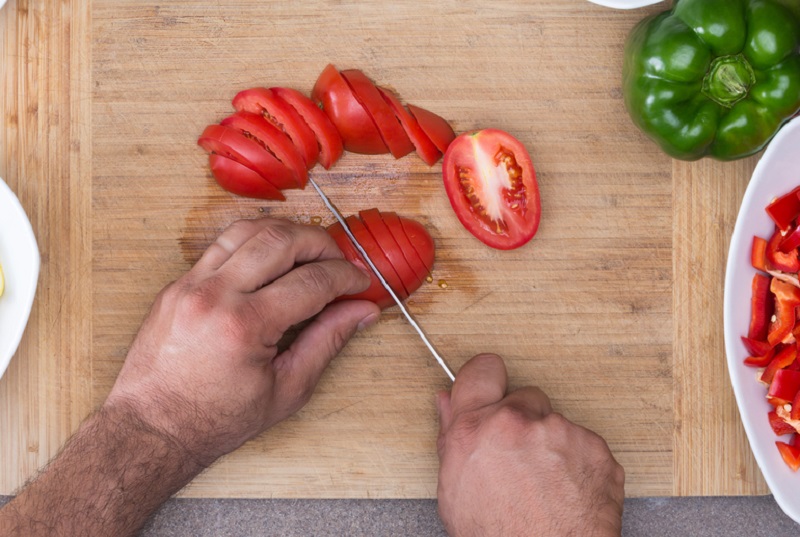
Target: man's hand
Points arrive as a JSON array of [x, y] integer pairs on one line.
[[510, 466], [205, 368]]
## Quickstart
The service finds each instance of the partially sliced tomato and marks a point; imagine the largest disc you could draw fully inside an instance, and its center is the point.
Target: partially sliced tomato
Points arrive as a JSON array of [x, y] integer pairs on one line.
[[388, 125], [330, 143], [491, 183], [420, 240], [438, 130], [333, 95], [241, 180], [255, 127], [394, 253], [377, 256], [394, 225], [262, 101], [426, 149], [375, 292], [236, 146]]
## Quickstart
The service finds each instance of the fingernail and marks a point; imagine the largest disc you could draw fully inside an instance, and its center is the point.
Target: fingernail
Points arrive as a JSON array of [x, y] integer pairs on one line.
[[368, 321]]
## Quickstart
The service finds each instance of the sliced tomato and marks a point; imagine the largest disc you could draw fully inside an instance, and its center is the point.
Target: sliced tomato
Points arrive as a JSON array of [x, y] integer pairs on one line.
[[491, 183], [394, 253], [388, 125], [395, 226], [241, 180], [420, 240], [375, 292], [330, 143], [790, 454], [438, 130], [236, 146], [278, 112], [426, 149], [333, 95], [255, 127]]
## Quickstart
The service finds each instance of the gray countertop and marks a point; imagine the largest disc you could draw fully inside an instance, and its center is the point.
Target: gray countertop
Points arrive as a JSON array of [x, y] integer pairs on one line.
[[651, 517]]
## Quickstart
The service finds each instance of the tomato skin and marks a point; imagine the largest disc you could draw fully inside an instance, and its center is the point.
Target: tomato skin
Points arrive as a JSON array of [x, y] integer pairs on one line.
[[359, 133], [435, 127], [330, 143], [477, 180], [241, 180], [389, 127], [375, 225], [395, 227], [265, 103]]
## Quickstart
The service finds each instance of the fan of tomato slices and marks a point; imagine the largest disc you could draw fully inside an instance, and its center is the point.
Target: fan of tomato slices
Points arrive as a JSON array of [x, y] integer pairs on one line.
[[772, 338]]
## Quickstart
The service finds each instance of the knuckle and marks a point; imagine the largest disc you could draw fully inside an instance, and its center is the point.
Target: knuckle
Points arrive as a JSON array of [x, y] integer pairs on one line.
[[198, 300], [509, 418], [277, 236], [317, 279]]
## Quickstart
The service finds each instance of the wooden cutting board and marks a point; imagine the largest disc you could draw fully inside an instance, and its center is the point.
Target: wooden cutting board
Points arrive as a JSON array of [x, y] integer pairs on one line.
[[615, 309]]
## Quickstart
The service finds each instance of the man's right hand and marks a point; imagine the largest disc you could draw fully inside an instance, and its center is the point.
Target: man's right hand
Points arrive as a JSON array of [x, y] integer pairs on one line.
[[511, 466]]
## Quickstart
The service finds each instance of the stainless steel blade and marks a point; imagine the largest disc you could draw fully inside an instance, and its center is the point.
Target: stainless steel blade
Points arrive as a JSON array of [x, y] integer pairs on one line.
[[386, 286]]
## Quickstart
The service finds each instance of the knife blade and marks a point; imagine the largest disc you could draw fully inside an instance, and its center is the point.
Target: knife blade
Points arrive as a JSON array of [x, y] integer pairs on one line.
[[414, 324]]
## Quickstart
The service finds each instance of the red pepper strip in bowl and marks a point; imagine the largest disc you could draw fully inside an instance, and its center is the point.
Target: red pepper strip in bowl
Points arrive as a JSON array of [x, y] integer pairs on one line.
[[785, 262], [762, 306], [787, 298], [784, 387], [790, 454], [785, 209], [779, 425], [758, 257]]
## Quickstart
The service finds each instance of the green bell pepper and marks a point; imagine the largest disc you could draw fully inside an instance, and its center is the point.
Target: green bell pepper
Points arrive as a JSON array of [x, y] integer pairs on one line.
[[714, 77]]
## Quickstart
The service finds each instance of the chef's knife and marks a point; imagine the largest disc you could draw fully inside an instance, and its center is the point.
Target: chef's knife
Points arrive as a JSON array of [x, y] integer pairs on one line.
[[381, 279]]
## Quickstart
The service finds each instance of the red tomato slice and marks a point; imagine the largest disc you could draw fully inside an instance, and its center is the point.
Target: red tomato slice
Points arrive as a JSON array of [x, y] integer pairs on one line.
[[491, 183], [234, 145], [330, 143], [420, 240], [241, 180], [377, 256], [394, 225], [425, 147], [375, 292], [278, 112], [333, 95], [438, 130], [394, 253], [388, 125], [257, 128]]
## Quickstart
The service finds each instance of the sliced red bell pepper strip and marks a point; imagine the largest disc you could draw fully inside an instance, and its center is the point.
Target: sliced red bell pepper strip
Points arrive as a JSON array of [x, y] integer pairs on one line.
[[795, 440], [755, 347], [761, 361], [785, 262], [785, 209], [790, 454], [787, 298], [778, 425], [758, 256], [795, 415], [791, 240], [785, 386], [761, 308]]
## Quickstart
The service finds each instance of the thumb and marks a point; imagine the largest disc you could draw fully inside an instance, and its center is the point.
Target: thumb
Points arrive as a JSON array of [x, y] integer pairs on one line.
[[480, 382], [298, 369]]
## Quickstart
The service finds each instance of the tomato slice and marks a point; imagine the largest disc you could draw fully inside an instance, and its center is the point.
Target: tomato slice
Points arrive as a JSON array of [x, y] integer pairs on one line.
[[375, 292], [236, 146], [278, 112], [438, 130], [420, 240], [241, 180], [260, 130], [394, 253], [491, 183], [333, 95], [330, 143], [389, 126], [395, 227], [426, 149]]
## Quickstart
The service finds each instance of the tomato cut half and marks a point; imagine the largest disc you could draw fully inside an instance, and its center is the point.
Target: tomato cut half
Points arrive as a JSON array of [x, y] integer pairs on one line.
[[333, 95], [236, 146], [330, 143], [491, 184], [241, 180], [438, 130], [278, 112], [389, 126], [426, 149], [395, 227], [258, 129], [376, 226]]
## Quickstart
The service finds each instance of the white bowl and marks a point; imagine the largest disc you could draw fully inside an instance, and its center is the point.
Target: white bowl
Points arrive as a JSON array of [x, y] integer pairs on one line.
[[777, 173], [621, 4], [19, 256]]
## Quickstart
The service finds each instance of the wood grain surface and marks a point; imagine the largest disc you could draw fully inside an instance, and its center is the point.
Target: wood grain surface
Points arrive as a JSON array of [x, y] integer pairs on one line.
[[615, 308]]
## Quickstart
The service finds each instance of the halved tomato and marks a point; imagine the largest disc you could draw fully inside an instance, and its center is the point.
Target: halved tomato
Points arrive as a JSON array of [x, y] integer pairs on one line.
[[376, 226], [334, 96], [241, 180], [236, 146], [278, 112], [388, 125], [330, 143], [491, 183], [426, 149], [394, 225], [255, 127], [438, 130]]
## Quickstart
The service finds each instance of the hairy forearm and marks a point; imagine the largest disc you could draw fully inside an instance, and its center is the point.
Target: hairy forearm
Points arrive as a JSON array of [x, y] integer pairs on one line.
[[109, 478]]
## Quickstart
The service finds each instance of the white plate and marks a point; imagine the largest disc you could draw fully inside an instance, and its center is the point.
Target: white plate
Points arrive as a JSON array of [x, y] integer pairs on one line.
[[19, 256], [618, 4], [777, 173]]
